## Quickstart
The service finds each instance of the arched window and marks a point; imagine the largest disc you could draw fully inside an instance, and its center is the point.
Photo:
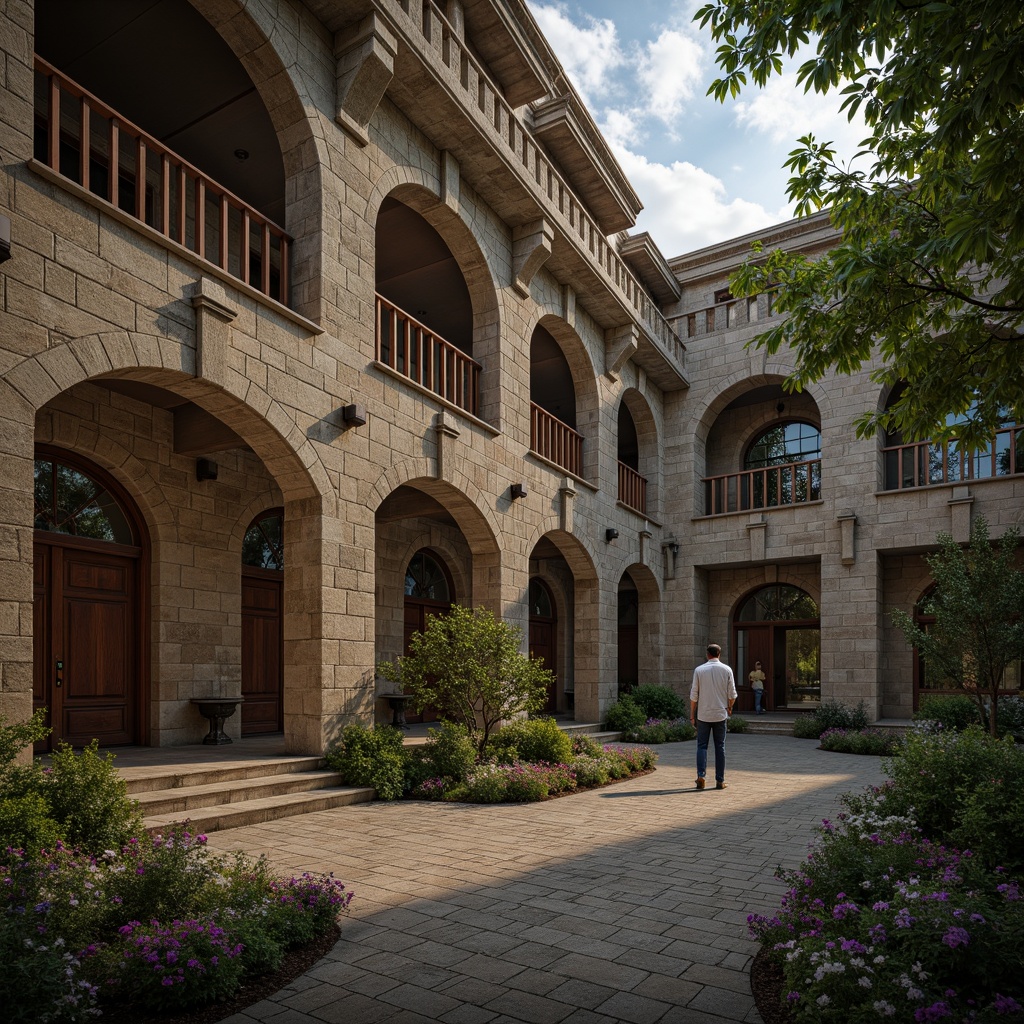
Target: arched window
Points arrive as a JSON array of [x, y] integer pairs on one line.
[[784, 443], [69, 501], [263, 544], [786, 465], [426, 580], [541, 605]]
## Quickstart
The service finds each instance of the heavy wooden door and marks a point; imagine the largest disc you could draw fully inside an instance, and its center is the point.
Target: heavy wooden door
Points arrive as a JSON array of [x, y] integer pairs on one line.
[[262, 653], [86, 652], [542, 645], [416, 613]]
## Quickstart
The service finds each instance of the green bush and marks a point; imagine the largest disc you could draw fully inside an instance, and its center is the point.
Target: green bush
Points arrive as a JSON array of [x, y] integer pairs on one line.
[[865, 741], [371, 757], [655, 731], [952, 711], [90, 800], [590, 771], [735, 723], [27, 824], [1010, 718], [834, 714], [964, 790], [807, 727], [658, 701], [536, 739], [625, 715], [449, 752], [586, 746]]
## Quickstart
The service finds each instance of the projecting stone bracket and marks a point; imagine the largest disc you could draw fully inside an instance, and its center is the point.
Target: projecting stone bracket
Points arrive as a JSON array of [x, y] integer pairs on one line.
[[960, 514], [213, 330], [446, 427], [365, 66], [847, 539], [531, 246], [620, 345]]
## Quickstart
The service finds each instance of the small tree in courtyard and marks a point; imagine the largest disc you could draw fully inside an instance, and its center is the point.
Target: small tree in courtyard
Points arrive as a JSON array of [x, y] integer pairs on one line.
[[468, 665], [978, 604]]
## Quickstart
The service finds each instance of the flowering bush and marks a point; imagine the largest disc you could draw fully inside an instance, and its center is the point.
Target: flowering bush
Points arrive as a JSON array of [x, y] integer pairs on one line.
[[862, 741], [536, 739]]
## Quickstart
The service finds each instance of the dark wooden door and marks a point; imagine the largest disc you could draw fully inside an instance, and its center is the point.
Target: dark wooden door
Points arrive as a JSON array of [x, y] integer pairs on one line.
[[758, 648], [262, 653], [542, 645], [416, 612], [86, 651]]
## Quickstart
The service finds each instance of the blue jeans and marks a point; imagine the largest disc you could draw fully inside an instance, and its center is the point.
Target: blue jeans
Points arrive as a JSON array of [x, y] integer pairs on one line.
[[758, 694], [705, 730]]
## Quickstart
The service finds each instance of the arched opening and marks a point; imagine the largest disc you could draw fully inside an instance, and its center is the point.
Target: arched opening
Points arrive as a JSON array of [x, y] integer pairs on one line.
[[263, 624], [553, 433], [188, 149], [778, 626], [428, 591], [424, 311], [90, 614], [629, 633], [543, 639]]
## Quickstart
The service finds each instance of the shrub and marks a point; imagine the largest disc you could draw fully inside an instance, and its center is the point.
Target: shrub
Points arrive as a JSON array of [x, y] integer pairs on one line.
[[952, 711], [90, 800], [590, 771], [625, 761], [658, 701], [656, 731], [371, 757], [586, 746], [537, 739], [26, 823], [834, 714], [866, 741], [625, 715], [1010, 718], [807, 727], [735, 723], [449, 752]]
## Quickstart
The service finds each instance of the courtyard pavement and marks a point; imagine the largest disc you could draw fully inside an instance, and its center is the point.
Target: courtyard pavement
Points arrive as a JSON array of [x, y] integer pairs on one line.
[[627, 903]]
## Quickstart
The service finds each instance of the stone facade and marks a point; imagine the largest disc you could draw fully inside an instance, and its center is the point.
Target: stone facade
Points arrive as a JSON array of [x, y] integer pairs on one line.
[[125, 350]]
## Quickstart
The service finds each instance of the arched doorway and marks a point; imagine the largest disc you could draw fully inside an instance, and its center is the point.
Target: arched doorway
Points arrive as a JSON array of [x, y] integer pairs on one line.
[[263, 624], [428, 591], [629, 633], [90, 562], [544, 633], [778, 626]]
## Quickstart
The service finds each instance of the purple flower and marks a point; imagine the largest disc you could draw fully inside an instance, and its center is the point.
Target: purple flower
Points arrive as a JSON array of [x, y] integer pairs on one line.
[[955, 937], [1006, 1004]]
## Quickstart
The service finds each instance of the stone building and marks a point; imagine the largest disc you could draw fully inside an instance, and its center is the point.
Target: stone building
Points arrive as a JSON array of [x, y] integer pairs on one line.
[[320, 316]]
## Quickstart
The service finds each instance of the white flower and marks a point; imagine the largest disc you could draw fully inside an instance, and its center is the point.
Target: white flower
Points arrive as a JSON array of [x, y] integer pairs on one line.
[[864, 982], [823, 1000], [884, 1009]]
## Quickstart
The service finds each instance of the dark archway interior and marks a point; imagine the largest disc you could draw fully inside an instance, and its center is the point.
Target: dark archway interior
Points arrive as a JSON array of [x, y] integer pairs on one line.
[[551, 385]]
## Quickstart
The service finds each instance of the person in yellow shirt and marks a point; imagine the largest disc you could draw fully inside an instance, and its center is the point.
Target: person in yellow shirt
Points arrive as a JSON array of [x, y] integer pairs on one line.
[[757, 684]]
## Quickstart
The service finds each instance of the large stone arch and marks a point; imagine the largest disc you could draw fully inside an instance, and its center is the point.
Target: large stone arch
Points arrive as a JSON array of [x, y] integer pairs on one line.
[[651, 623], [648, 434], [421, 191]]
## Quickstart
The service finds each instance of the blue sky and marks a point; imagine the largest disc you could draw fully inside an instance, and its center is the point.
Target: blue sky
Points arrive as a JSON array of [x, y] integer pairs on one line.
[[704, 171]]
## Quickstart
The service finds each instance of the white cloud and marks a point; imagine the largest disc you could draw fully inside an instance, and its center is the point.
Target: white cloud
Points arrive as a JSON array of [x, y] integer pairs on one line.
[[591, 53], [670, 68], [686, 208]]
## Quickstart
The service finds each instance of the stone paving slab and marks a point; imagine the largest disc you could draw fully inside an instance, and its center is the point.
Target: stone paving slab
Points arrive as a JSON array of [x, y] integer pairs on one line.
[[624, 904]]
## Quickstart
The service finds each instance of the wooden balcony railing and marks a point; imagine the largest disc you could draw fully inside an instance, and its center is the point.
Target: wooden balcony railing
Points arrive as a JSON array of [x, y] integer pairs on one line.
[[632, 488], [732, 313], [927, 462], [556, 441], [80, 138], [449, 57], [414, 351], [773, 486]]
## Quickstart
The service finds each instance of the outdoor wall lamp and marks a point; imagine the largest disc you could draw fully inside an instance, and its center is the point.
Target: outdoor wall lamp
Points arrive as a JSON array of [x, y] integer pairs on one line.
[[780, 408], [610, 534], [353, 415], [517, 491], [673, 546]]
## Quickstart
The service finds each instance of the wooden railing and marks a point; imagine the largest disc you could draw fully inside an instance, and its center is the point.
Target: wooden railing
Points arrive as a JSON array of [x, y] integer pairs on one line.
[[448, 55], [94, 146], [555, 440], [927, 462], [632, 488], [727, 315], [773, 486], [414, 351]]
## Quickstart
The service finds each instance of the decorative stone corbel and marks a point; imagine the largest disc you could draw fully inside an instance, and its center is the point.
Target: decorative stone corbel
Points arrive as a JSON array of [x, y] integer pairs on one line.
[[365, 66], [447, 429], [531, 246], [847, 547], [645, 539], [568, 305], [670, 552], [960, 514], [757, 528], [567, 492], [451, 181], [213, 331], [620, 344]]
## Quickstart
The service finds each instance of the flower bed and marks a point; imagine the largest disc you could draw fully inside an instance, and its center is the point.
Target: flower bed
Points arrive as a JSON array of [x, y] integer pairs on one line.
[[882, 742]]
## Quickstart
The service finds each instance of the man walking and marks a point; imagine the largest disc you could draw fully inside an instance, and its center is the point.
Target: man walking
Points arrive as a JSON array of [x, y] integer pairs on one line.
[[712, 696]]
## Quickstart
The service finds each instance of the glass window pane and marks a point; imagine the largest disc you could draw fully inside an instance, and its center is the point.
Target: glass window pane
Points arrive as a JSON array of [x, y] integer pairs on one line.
[[77, 505], [425, 579], [784, 443], [263, 544]]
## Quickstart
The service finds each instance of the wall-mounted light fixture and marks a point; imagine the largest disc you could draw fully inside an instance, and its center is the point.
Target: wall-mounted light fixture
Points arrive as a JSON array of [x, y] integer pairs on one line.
[[206, 469], [241, 155], [781, 407], [517, 491], [673, 546], [353, 415], [610, 534]]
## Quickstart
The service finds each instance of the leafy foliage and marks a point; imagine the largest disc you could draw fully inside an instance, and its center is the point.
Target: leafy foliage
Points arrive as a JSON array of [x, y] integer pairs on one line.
[[831, 714], [882, 742], [978, 604], [625, 715], [371, 757], [929, 272], [468, 665], [536, 739], [736, 723], [656, 730], [951, 711], [659, 701]]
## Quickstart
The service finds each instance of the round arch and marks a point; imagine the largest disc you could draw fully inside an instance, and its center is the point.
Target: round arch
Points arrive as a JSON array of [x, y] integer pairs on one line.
[[648, 449]]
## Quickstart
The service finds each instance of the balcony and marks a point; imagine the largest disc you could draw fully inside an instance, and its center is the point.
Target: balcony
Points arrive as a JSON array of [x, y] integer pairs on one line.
[[415, 352], [793, 483], [925, 463], [86, 142], [555, 441], [632, 489], [728, 315]]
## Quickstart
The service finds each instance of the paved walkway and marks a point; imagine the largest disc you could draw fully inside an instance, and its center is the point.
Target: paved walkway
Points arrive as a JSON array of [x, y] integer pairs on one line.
[[627, 903]]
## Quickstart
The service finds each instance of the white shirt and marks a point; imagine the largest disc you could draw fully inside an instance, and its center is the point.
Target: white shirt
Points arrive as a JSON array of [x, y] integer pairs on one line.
[[713, 687]]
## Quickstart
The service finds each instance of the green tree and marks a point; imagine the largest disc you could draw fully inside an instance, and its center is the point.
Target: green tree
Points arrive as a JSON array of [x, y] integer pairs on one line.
[[929, 269], [468, 665], [978, 604]]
